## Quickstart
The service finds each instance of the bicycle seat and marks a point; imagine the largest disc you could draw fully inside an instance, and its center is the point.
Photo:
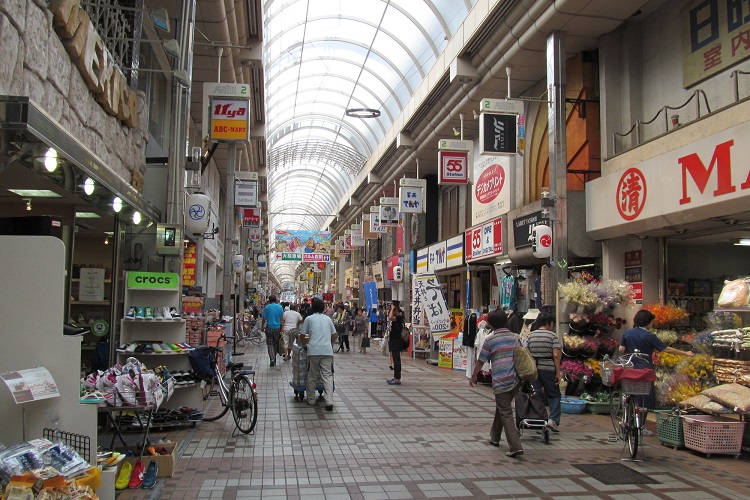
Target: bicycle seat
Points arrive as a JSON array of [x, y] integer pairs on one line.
[[247, 372], [235, 366]]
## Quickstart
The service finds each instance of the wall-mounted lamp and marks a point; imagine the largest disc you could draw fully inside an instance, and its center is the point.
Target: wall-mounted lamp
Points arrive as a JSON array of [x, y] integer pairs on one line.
[[28, 204], [50, 160], [117, 204], [136, 217]]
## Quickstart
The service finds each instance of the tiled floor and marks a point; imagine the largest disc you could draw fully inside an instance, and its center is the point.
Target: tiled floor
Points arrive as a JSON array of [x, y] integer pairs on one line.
[[424, 439]]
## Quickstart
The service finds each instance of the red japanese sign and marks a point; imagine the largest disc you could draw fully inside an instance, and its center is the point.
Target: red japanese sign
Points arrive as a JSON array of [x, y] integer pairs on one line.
[[490, 183], [454, 167], [631, 194], [485, 240], [251, 217]]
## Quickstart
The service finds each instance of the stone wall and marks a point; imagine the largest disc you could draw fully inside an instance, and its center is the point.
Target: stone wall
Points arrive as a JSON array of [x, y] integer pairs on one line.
[[34, 63]]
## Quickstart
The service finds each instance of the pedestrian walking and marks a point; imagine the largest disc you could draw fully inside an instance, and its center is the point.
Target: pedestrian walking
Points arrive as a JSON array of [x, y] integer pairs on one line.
[[498, 349], [291, 322], [271, 315], [341, 322], [395, 344], [360, 336], [319, 352], [545, 348]]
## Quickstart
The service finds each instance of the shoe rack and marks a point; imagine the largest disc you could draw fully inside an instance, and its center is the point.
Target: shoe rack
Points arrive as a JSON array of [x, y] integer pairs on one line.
[[157, 290]]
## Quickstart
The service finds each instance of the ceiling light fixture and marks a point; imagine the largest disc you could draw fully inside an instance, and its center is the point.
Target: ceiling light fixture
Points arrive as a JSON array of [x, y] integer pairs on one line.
[[88, 186], [50, 160], [35, 193], [136, 217], [117, 204], [28, 204], [362, 113], [743, 242]]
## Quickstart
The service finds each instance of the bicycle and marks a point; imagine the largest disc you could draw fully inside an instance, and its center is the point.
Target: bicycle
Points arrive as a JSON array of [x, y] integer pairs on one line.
[[240, 395], [627, 417], [254, 335]]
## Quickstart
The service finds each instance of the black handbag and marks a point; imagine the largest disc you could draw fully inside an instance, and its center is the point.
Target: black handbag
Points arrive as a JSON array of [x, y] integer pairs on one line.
[[365, 342]]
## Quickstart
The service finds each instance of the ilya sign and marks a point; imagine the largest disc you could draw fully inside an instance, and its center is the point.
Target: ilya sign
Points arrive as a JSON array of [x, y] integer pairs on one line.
[[706, 178], [239, 91], [230, 119]]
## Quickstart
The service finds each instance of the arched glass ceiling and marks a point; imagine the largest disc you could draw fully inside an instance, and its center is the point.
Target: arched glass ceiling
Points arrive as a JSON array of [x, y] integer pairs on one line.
[[322, 57]]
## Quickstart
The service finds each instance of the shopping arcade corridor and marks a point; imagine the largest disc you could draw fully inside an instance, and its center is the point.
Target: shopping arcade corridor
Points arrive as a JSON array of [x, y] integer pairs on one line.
[[424, 439]]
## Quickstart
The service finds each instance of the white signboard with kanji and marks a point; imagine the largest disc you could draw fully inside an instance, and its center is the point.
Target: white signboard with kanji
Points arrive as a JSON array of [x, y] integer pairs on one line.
[[491, 189], [428, 298]]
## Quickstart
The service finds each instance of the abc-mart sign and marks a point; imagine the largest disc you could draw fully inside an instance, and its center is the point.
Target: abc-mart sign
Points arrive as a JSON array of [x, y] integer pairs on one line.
[[226, 111], [706, 178]]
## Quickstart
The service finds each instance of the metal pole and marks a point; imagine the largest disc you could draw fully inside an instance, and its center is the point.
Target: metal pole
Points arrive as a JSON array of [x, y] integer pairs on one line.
[[229, 232], [406, 280], [558, 158], [115, 297]]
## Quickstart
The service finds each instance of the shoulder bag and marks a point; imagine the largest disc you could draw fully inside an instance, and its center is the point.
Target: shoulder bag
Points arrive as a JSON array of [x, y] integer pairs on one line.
[[525, 364]]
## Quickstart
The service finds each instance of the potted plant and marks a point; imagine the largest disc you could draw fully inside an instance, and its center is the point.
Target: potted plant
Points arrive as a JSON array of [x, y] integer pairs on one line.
[[597, 403]]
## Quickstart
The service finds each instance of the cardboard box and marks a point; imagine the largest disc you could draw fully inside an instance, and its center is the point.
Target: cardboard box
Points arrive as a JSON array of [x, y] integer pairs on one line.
[[164, 462]]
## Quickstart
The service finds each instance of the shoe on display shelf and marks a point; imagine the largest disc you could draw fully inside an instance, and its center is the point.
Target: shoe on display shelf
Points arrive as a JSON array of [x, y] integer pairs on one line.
[[166, 313], [149, 312], [131, 313], [140, 312], [123, 478], [158, 313], [131, 347], [157, 348], [136, 477], [174, 312], [149, 477]]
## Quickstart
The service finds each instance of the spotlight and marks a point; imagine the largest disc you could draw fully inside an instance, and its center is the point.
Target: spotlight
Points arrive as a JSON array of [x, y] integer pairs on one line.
[[106, 241], [136, 217], [88, 186], [28, 204], [50, 160], [117, 204]]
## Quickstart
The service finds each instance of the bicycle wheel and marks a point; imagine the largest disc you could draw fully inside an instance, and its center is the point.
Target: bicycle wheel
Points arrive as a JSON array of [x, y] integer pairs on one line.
[[244, 405], [213, 401], [615, 412], [256, 337], [632, 428]]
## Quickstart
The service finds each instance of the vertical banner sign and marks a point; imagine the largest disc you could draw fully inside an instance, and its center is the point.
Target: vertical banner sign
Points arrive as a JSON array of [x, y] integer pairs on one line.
[[468, 289], [357, 239], [343, 247], [375, 226], [498, 126], [230, 119], [417, 305], [371, 295], [454, 167], [428, 287], [251, 217]]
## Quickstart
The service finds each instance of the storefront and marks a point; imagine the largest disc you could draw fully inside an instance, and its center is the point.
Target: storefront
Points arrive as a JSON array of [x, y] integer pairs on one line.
[[676, 223]]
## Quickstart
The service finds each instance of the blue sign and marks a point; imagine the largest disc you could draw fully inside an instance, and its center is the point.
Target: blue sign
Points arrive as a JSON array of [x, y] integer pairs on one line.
[[371, 299]]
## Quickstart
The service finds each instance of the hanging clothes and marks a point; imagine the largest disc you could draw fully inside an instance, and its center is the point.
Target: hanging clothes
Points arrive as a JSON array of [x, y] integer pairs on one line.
[[508, 293], [538, 292], [549, 286]]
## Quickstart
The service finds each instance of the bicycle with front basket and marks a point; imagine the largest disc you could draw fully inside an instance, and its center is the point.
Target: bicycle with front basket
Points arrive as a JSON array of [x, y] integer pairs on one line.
[[627, 416], [251, 331], [239, 395]]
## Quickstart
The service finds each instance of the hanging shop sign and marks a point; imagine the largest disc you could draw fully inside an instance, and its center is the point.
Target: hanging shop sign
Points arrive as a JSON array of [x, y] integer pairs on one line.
[[436, 257], [343, 248], [377, 274], [189, 262], [255, 234], [491, 190], [454, 248], [429, 300], [301, 245], [484, 240], [375, 226], [238, 263], [422, 259], [211, 90], [230, 119], [246, 192], [714, 38], [454, 167], [366, 229], [500, 126], [95, 64], [634, 273], [706, 178], [411, 196], [522, 228], [358, 239], [251, 217], [147, 280], [388, 212]]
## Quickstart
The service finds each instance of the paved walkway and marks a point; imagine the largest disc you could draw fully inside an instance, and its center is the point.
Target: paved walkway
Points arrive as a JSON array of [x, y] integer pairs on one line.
[[424, 439]]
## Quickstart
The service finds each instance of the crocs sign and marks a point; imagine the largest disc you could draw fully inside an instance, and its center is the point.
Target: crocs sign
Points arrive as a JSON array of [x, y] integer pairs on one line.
[[153, 280]]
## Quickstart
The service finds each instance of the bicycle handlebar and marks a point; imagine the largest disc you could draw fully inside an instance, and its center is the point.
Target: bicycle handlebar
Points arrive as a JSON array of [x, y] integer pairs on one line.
[[627, 359]]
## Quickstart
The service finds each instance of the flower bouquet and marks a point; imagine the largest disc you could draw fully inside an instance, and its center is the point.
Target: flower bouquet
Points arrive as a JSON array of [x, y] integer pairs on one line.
[[601, 323], [575, 370], [699, 369], [572, 344], [723, 320], [589, 347], [667, 315], [675, 388], [669, 337], [608, 345]]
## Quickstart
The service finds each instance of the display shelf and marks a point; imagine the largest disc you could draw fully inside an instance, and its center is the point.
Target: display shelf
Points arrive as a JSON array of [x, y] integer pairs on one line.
[[137, 354], [89, 302], [154, 321], [745, 309], [78, 280]]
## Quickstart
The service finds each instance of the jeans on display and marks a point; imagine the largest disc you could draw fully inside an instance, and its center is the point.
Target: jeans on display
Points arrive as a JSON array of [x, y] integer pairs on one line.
[[547, 382], [504, 420], [396, 364], [320, 368], [272, 342]]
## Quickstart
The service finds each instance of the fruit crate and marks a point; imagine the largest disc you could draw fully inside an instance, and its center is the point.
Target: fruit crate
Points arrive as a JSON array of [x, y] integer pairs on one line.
[[710, 434], [669, 428]]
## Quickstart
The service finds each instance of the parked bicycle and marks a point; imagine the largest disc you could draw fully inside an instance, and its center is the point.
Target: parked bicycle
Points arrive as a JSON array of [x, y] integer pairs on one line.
[[240, 395], [251, 332], [628, 418]]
